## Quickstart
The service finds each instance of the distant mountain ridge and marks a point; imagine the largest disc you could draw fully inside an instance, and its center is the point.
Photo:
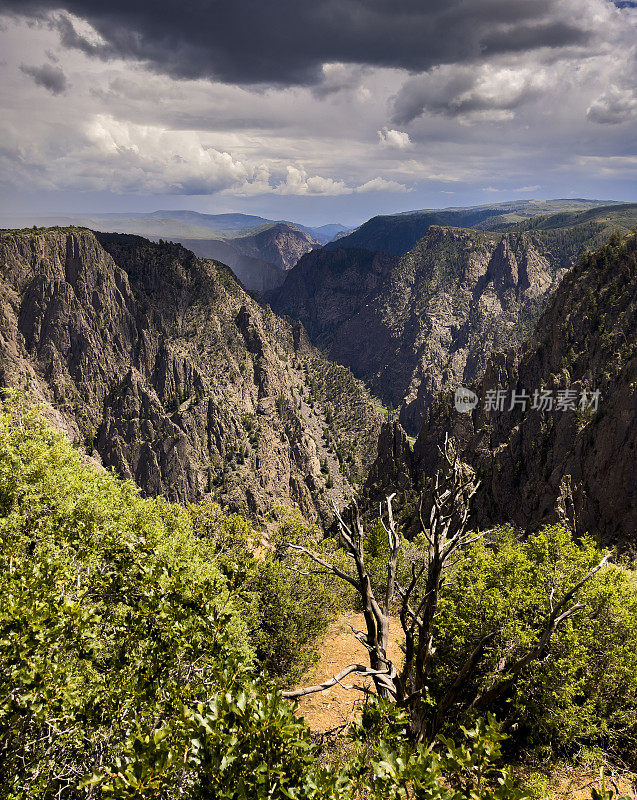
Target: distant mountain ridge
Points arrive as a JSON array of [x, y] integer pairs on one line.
[[255, 248], [259, 260], [414, 324], [397, 233], [177, 223]]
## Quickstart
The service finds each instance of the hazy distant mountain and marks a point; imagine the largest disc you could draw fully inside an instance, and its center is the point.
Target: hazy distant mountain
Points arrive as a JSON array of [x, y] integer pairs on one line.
[[398, 233], [411, 326], [255, 248], [280, 244], [254, 273], [259, 259], [216, 222], [225, 224], [326, 233]]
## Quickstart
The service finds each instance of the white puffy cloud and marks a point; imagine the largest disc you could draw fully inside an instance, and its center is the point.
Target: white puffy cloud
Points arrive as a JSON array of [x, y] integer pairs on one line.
[[298, 182], [392, 138], [156, 160], [382, 185]]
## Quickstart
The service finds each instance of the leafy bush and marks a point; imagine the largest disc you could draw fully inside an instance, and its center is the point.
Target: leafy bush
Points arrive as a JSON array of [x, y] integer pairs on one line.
[[118, 611], [247, 744], [293, 609], [105, 631], [285, 612], [387, 762], [584, 688]]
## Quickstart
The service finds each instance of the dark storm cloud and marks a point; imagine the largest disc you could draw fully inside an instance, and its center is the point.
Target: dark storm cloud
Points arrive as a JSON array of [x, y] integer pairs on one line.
[[287, 41], [50, 78], [527, 37]]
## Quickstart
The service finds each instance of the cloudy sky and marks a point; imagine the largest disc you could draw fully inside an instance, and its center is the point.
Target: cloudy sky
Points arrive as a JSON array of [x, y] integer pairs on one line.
[[324, 111]]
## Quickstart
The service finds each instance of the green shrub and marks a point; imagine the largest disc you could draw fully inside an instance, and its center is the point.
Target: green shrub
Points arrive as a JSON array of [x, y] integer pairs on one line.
[[291, 610], [584, 688], [105, 629], [247, 744]]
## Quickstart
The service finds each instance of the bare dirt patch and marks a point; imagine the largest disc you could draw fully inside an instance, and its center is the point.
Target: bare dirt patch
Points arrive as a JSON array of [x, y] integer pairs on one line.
[[338, 706], [575, 783]]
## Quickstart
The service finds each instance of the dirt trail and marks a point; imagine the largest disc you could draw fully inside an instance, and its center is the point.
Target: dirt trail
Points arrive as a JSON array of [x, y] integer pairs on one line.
[[337, 706]]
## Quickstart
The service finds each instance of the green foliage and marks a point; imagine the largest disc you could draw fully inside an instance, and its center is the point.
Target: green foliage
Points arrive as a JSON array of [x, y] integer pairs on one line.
[[105, 630], [243, 743], [246, 743], [285, 410], [285, 613], [293, 608], [376, 550], [392, 767], [584, 688], [121, 615], [129, 631]]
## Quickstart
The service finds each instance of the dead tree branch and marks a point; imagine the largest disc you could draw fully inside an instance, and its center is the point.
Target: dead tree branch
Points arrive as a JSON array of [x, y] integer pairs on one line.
[[359, 669], [445, 533]]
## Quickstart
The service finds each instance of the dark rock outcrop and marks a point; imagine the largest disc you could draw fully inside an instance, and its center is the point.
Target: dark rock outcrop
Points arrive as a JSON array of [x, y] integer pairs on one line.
[[254, 273], [576, 464], [394, 469]]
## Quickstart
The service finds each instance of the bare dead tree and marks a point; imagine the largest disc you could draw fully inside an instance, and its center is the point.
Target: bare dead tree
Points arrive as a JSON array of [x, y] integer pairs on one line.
[[417, 603], [376, 613]]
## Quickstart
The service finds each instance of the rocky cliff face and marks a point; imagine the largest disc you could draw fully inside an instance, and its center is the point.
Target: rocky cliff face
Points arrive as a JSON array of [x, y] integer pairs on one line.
[[574, 464], [327, 288], [412, 326], [162, 364], [280, 244]]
